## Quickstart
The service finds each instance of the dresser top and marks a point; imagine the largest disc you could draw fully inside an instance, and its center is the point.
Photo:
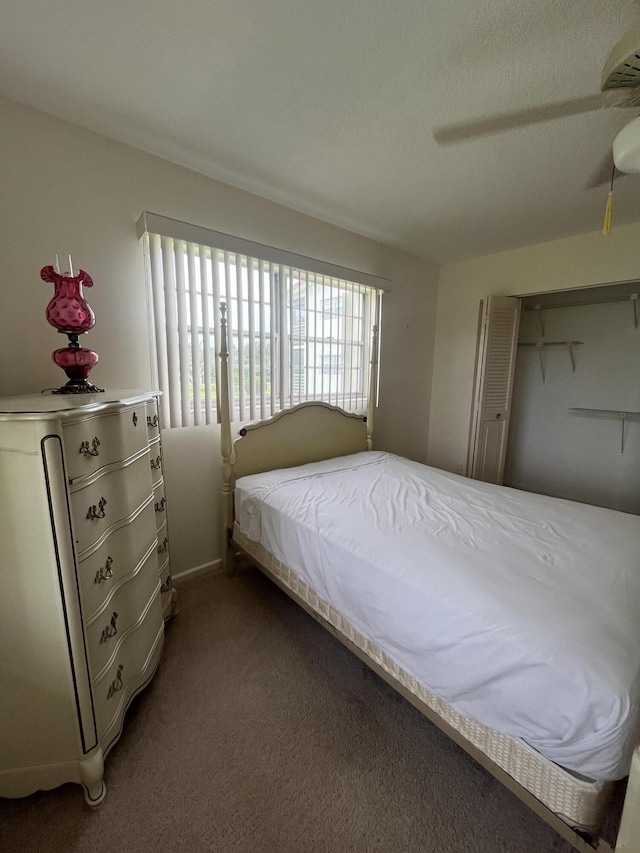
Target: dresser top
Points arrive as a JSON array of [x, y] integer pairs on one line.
[[30, 406]]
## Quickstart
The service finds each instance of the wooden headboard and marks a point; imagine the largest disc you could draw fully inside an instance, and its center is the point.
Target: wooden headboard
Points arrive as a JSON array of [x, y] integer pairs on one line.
[[308, 432], [304, 433]]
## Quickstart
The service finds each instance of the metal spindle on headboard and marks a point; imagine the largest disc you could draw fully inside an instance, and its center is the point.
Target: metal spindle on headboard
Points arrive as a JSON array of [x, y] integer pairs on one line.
[[226, 445]]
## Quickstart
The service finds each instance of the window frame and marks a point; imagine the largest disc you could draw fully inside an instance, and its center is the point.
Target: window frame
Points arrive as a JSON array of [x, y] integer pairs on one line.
[[176, 254]]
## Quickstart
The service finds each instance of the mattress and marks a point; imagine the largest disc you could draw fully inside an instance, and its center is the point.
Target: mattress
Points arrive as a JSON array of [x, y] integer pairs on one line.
[[520, 611], [581, 803]]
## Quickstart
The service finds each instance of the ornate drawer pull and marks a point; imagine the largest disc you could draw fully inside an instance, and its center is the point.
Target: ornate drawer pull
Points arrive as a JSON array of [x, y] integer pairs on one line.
[[135, 419], [152, 421], [157, 463], [103, 574], [166, 586], [92, 450], [163, 548], [160, 505], [111, 629], [93, 513], [117, 683]]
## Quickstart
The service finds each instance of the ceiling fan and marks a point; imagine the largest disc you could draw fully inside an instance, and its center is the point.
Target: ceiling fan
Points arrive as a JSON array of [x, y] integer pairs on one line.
[[619, 87]]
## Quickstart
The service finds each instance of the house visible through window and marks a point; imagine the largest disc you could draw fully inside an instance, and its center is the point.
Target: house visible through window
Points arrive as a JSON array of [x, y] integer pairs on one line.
[[299, 329]]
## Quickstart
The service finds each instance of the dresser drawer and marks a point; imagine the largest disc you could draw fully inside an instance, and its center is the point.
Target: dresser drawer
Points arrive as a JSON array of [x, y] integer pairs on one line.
[[160, 504], [164, 565], [100, 440], [107, 631], [106, 568], [163, 539], [165, 576], [166, 590], [153, 421], [113, 689], [155, 461], [100, 507]]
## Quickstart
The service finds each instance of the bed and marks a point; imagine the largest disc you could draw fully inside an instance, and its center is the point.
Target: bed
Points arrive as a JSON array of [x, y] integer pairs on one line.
[[458, 594]]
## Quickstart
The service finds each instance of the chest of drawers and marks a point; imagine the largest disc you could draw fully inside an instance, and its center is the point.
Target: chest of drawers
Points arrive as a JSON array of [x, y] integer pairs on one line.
[[86, 580]]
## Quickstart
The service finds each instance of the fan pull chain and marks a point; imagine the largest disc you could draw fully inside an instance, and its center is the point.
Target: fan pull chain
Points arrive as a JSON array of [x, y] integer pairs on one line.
[[609, 209]]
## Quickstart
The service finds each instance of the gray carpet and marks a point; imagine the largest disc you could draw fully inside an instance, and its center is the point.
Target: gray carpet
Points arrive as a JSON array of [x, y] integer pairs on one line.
[[261, 732]]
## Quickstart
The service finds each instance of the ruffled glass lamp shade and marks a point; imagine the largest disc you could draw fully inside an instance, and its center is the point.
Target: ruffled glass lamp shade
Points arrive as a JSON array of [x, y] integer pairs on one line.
[[68, 311], [71, 315]]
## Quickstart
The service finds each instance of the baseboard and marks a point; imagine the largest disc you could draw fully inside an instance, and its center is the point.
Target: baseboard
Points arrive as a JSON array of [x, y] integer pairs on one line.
[[180, 577]]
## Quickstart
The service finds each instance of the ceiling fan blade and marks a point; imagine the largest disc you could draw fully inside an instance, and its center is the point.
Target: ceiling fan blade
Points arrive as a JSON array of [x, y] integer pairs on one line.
[[510, 121]]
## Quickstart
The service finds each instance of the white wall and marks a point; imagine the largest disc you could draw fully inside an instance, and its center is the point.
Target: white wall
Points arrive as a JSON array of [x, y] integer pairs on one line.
[[562, 264], [67, 190]]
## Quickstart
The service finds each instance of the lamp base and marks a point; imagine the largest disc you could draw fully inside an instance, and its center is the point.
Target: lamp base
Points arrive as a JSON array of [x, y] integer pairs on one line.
[[76, 361], [80, 386]]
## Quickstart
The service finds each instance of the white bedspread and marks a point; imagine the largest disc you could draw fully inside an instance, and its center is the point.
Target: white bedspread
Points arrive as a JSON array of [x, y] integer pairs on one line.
[[521, 611]]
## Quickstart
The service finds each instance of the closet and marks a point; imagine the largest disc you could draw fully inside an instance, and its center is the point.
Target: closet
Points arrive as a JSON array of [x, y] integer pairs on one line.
[[574, 427]]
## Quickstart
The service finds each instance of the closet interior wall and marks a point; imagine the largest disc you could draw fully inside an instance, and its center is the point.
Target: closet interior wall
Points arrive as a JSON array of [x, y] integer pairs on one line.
[[580, 350]]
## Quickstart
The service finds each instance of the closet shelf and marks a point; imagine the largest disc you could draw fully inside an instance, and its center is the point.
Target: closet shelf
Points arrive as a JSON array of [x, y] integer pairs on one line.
[[610, 415], [549, 344], [544, 345], [539, 307]]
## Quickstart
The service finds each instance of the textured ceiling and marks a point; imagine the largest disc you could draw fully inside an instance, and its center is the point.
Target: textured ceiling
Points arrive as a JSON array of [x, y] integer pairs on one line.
[[330, 107]]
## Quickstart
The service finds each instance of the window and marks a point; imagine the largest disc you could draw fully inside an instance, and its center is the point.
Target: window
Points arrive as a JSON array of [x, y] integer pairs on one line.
[[299, 329], [332, 307]]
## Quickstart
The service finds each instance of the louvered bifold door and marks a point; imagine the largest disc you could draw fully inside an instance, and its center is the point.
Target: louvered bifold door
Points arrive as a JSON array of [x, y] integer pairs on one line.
[[494, 387]]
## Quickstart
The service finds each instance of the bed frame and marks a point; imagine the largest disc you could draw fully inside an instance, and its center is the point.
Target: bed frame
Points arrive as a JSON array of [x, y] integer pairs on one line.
[[310, 432]]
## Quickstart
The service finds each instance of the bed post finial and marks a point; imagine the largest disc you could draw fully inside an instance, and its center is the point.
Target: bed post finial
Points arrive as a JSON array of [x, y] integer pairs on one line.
[[373, 387], [226, 446]]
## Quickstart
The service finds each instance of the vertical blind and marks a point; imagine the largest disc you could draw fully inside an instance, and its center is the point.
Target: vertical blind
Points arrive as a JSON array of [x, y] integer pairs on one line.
[[295, 333]]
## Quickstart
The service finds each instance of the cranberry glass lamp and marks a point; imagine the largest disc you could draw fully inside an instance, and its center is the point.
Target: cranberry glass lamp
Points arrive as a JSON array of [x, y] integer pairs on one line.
[[71, 315]]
